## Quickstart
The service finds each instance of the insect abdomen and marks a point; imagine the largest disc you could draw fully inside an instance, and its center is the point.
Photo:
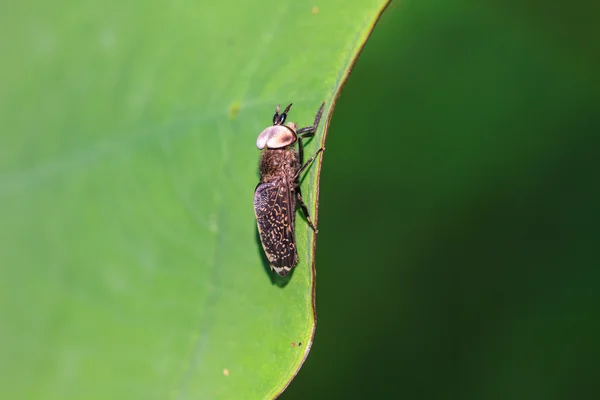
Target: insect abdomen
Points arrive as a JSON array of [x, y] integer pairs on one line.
[[274, 206]]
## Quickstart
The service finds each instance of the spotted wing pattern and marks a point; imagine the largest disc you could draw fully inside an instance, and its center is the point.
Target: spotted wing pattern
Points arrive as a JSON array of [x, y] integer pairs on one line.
[[274, 206]]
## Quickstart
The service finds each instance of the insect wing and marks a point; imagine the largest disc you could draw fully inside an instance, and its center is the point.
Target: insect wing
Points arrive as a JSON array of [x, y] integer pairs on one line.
[[274, 206]]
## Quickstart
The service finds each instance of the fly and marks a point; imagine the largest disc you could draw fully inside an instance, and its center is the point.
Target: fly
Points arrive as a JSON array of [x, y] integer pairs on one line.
[[279, 188]]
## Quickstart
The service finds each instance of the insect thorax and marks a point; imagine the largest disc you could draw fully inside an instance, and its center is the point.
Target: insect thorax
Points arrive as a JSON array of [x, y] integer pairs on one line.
[[276, 163]]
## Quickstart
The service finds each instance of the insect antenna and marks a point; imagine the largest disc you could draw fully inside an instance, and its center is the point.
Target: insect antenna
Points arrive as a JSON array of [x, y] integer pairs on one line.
[[283, 115]]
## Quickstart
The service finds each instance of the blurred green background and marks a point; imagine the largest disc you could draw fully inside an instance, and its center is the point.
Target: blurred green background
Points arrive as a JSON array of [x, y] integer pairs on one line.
[[458, 246]]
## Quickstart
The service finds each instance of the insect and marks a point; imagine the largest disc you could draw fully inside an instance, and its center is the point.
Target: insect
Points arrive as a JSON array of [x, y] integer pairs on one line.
[[279, 188]]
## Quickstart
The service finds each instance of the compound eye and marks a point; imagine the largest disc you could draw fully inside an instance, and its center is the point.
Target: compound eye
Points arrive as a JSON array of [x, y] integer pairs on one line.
[[281, 138], [276, 137]]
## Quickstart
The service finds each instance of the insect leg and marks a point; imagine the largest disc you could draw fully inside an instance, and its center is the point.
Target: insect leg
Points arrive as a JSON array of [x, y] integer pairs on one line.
[[306, 133], [299, 192], [300, 150], [310, 130], [304, 208], [307, 163]]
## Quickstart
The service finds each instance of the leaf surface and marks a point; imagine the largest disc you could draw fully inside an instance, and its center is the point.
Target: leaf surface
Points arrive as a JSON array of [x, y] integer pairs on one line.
[[131, 266]]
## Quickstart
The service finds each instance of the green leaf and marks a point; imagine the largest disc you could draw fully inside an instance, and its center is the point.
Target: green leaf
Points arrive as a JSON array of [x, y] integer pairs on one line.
[[131, 266]]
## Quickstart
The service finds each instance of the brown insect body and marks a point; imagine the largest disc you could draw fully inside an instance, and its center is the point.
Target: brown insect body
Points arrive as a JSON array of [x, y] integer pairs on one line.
[[275, 207], [276, 193]]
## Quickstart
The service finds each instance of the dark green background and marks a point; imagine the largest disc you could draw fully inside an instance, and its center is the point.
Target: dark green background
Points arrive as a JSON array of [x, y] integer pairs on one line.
[[458, 247]]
